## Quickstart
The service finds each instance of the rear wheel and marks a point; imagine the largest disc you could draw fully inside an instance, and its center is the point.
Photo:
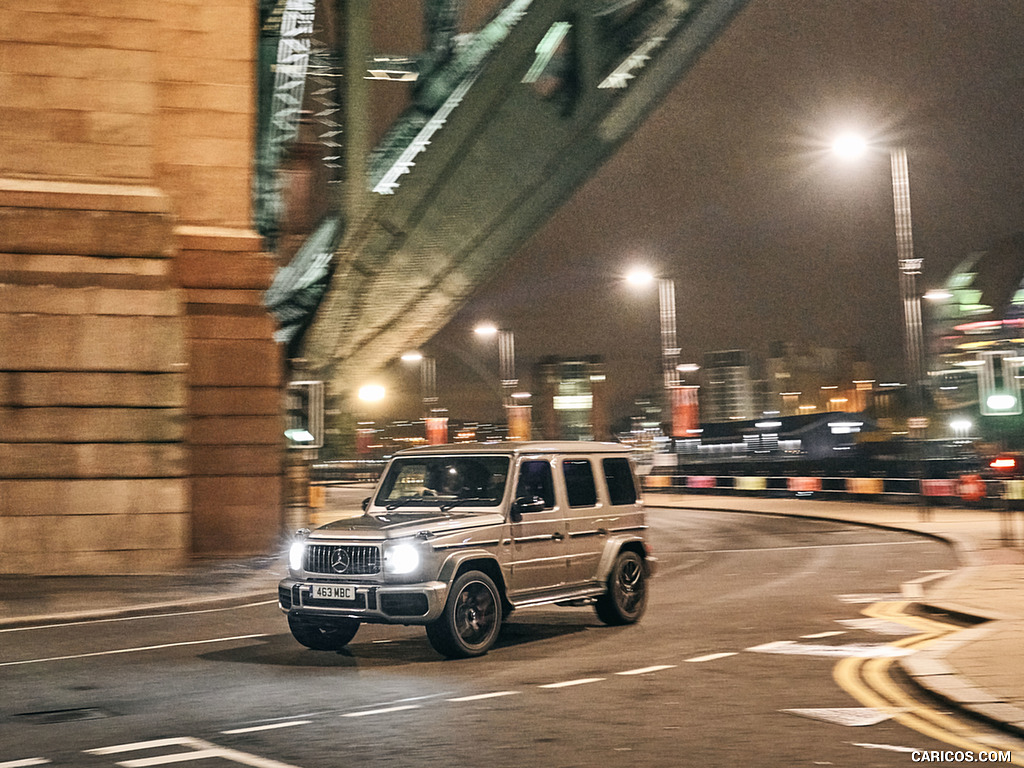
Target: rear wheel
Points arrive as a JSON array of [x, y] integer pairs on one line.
[[626, 597], [471, 619], [323, 637]]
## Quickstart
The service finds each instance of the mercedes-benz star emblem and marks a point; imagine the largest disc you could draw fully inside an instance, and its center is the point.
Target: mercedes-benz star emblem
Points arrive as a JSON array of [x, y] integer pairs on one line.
[[340, 560]]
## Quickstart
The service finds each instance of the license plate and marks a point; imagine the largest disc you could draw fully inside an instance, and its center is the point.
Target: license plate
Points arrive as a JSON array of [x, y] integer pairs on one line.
[[334, 592]]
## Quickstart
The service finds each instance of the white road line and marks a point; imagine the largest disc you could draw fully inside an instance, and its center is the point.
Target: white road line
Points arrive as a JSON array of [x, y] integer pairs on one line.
[[710, 657], [25, 763], [645, 670], [820, 635], [384, 711], [199, 750], [271, 727], [816, 546], [481, 696], [853, 650], [136, 618], [131, 650], [888, 747], [569, 683], [117, 749]]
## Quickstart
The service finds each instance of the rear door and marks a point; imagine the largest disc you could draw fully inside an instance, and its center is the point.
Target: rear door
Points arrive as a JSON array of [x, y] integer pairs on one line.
[[539, 542], [585, 519]]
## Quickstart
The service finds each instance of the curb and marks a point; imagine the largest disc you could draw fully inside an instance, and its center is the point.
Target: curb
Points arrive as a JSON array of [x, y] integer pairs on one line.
[[138, 610]]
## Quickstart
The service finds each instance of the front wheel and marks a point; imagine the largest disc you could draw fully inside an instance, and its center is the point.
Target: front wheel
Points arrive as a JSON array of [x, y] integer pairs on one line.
[[323, 637], [626, 597], [471, 619]]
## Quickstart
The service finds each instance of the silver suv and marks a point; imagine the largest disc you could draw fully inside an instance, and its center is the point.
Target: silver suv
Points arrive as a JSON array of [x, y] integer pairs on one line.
[[457, 536]]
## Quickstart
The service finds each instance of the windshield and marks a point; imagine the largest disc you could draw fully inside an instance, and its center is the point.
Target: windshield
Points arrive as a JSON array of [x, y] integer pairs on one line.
[[444, 481]]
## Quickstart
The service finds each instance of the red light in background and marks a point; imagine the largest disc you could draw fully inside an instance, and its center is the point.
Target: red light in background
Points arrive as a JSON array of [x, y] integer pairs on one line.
[[1003, 463]]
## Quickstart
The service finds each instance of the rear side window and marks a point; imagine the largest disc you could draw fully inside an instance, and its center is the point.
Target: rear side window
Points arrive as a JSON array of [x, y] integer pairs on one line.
[[535, 480], [579, 483], [621, 488]]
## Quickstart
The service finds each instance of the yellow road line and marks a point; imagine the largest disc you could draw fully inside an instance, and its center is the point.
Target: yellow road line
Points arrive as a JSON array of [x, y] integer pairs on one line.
[[870, 682]]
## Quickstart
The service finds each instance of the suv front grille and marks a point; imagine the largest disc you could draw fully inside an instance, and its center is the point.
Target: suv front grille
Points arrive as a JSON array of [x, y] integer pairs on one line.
[[343, 559]]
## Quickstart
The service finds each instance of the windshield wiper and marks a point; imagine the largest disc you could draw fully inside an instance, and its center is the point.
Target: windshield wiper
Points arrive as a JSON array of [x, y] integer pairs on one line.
[[396, 503], [473, 500]]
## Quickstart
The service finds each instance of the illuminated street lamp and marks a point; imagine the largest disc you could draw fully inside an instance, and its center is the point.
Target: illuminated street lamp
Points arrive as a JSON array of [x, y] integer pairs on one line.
[[850, 146], [435, 419], [683, 410], [506, 358], [428, 379], [667, 311]]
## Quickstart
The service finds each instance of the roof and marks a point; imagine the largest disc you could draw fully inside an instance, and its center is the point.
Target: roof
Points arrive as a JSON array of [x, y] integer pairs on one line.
[[519, 448]]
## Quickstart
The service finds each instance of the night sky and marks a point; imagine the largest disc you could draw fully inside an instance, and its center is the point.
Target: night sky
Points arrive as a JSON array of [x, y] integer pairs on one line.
[[730, 189]]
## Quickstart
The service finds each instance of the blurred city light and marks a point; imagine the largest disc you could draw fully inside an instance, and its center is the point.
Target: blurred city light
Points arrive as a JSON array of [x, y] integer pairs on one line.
[[486, 329], [371, 393], [412, 357]]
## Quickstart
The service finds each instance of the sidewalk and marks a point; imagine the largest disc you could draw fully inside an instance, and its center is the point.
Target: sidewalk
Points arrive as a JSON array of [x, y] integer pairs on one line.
[[979, 669], [37, 600]]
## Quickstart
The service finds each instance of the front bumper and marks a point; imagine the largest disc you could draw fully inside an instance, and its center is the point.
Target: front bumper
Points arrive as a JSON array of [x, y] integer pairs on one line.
[[374, 604]]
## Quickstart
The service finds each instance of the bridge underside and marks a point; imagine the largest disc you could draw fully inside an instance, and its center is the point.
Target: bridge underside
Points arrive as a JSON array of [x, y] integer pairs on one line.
[[499, 147]]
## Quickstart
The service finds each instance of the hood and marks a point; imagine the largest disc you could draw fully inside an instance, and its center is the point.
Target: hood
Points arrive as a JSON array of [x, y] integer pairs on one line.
[[398, 524]]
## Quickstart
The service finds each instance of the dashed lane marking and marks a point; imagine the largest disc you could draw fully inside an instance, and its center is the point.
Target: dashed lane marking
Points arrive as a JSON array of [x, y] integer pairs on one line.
[[823, 635], [26, 763], [710, 657], [646, 670], [481, 696], [270, 727], [570, 683], [382, 711]]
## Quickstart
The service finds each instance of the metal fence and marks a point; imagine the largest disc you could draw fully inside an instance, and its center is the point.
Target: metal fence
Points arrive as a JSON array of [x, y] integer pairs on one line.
[[972, 490]]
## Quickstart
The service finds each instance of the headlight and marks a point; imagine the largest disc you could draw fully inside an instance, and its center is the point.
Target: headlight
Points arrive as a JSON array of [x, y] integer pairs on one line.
[[402, 558], [295, 555]]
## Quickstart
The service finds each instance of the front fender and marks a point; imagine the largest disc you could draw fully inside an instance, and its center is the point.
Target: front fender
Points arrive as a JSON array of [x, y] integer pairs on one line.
[[616, 544]]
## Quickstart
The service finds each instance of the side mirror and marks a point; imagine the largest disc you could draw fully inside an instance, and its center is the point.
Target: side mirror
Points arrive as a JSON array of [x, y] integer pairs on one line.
[[366, 503], [526, 505]]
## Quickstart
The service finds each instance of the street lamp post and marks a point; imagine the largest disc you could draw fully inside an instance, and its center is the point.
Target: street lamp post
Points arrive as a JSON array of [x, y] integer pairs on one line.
[[667, 317], [506, 359], [909, 267], [517, 415], [680, 401], [435, 420]]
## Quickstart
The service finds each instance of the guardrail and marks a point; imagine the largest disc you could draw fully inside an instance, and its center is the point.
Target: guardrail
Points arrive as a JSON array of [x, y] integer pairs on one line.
[[971, 490]]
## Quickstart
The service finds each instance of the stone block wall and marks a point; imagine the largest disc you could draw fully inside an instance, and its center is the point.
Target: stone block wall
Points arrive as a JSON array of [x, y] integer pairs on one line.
[[92, 382], [139, 380], [234, 380]]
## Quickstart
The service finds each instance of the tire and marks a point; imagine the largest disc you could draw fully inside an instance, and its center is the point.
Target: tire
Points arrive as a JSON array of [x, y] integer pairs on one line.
[[323, 637], [471, 620], [625, 600]]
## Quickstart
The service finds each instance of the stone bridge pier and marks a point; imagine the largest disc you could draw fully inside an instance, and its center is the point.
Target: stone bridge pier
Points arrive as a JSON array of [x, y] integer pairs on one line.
[[140, 385]]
